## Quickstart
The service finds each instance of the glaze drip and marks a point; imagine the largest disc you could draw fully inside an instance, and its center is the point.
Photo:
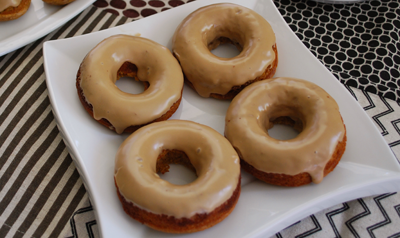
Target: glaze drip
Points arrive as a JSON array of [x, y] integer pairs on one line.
[[250, 114], [213, 157], [204, 29], [155, 65]]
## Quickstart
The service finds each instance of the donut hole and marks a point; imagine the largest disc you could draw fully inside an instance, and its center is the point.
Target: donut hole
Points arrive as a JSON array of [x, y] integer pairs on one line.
[[225, 48], [285, 128], [128, 80], [175, 167]]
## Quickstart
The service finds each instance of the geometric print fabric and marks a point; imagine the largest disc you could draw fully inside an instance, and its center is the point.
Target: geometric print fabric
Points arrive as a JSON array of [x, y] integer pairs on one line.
[[358, 43]]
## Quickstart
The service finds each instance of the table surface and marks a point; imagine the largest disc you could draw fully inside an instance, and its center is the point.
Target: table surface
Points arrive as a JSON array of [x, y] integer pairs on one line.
[[41, 192]]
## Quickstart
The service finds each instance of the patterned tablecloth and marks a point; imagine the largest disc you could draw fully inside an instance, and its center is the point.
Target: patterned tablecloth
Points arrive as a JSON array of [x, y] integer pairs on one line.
[[41, 193]]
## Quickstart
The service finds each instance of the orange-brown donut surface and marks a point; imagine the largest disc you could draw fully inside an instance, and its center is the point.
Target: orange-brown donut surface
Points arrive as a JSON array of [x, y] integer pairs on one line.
[[307, 158], [13, 9], [209, 26]]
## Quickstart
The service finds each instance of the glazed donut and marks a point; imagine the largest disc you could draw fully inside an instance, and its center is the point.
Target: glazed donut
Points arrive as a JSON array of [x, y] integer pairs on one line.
[[13, 9], [206, 28], [143, 59], [58, 2], [177, 208], [307, 158]]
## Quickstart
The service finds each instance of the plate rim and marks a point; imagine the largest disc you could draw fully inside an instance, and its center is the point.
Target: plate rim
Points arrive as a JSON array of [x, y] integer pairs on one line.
[[43, 26]]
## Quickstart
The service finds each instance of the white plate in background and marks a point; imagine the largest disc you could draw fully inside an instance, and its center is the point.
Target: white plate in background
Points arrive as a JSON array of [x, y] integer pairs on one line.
[[40, 19], [368, 166]]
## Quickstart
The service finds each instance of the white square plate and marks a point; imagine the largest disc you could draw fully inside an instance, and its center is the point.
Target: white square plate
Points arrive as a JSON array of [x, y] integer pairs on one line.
[[40, 19], [368, 166]]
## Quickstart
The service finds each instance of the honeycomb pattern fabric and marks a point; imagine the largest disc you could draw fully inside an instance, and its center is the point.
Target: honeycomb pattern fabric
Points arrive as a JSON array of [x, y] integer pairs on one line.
[[358, 42], [137, 9]]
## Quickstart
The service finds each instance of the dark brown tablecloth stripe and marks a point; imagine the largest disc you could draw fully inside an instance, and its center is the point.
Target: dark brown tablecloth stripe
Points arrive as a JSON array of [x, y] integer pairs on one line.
[[36, 181], [40, 188], [46, 193], [26, 146], [15, 81]]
